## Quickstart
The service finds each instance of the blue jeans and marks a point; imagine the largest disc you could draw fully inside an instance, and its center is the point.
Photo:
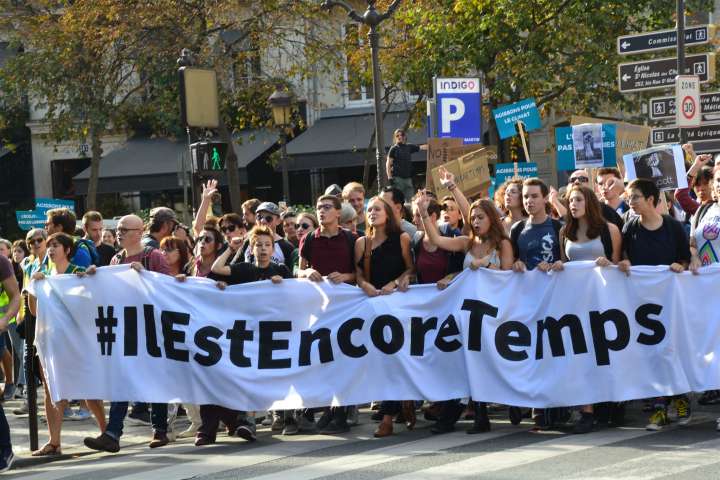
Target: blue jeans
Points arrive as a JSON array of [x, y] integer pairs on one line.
[[118, 412]]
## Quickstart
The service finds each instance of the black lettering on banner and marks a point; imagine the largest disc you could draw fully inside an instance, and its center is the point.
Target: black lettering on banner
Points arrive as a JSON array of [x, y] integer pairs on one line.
[[203, 342], [642, 317], [307, 338], [172, 336], [268, 345], [131, 338], [344, 338], [418, 329], [601, 343], [151, 341], [397, 334], [477, 311], [238, 335], [554, 329], [504, 339], [449, 328]]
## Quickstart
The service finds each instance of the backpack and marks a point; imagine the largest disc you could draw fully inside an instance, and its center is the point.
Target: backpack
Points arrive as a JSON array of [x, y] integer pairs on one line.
[[349, 237], [699, 215], [145, 260], [90, 246]]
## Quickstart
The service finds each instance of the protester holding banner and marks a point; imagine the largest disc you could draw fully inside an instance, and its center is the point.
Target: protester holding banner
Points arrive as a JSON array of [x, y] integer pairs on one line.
[[59, 250], [209, 244], [9, 286], [383, 265], [586, 235], [650, 238], [705, 225], [177, 255], [130, 234]]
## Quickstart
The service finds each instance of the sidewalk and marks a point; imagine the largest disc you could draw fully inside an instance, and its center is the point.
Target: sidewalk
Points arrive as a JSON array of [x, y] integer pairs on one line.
[[73, 433]]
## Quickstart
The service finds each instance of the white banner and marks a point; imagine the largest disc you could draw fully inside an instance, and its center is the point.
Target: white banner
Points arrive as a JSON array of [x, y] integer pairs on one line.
[[124, 335]]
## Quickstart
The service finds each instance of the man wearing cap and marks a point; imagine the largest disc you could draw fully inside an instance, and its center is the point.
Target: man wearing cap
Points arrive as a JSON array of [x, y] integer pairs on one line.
[[268, 214], [162, 223]]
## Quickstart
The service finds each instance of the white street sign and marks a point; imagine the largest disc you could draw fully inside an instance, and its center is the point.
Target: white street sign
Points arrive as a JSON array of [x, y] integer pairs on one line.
[[687, 97]]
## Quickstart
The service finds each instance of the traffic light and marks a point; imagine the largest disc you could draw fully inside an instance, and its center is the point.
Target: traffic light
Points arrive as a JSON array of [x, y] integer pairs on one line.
[[208, 156]]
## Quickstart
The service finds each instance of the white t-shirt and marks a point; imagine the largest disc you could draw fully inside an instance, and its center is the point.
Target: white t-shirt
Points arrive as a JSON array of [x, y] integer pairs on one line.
[[707, 236]]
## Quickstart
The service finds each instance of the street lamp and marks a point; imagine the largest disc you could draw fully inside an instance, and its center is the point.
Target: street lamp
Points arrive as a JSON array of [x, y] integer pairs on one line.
[[281, 105], [372, 18]]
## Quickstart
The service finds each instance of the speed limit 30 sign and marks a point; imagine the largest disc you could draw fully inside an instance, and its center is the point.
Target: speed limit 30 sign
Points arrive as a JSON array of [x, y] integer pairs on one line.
[[687, 97]]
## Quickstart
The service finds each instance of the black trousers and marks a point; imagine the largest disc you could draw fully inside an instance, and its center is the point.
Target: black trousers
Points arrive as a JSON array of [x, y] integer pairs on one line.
[[211, 415]]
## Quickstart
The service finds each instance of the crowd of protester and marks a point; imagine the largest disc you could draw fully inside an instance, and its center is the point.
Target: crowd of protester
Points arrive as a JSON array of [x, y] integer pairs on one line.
[[382, 245]]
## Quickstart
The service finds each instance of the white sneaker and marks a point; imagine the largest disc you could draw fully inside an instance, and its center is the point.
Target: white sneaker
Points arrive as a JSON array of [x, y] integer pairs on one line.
[[189, 432]]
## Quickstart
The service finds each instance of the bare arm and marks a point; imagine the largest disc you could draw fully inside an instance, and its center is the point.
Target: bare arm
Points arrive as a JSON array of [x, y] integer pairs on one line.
[[219, 266], [10, 286], [362, 281], [209, 189], [506, 255], [616, 238], [388, 166]]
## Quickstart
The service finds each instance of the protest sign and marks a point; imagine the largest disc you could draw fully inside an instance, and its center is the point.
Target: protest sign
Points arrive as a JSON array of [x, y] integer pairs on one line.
[[437, 152], [664, 165], [472, 172], [45, 204], [565, 153], [588, 145], [30, 219], [628, 137], [303, 344], [506, 171], [508, 116]]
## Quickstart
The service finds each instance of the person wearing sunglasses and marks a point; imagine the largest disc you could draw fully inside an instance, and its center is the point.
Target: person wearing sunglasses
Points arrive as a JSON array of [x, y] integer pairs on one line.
[[208, 247], [289, 221], [268, 215]]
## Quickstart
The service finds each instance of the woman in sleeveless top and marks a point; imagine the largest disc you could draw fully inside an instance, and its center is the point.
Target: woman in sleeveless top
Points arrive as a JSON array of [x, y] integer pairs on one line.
[[488, 246], [431, 262], [586, 235], [384, 265]]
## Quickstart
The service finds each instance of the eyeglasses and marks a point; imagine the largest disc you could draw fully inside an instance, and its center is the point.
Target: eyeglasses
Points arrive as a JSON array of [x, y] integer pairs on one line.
[[206, 239], [228, 229], [265, 218], [325, 207], [35, 241], [580, 179], [124, 230], [303, 225]]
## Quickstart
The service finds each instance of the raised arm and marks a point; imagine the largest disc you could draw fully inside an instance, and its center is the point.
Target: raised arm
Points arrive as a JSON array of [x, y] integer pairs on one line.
[[447, 180], [454, 244], [209, 189]]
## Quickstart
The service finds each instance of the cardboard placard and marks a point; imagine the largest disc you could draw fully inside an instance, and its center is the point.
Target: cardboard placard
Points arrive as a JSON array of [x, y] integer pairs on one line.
[[437, 150], [664, 165], [472, 172]]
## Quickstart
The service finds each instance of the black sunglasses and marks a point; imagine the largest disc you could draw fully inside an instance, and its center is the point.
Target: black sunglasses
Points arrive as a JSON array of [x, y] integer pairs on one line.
[[580, 179], [227, 229], [206, 239], [267, 218], [36, 241], [303, 225]]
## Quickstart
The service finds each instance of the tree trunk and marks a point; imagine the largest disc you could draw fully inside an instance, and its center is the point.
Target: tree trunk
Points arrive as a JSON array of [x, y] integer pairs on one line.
[[96, 152], [231, 166]]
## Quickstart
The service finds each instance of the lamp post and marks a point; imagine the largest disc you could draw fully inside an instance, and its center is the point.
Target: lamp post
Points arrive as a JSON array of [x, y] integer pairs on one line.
[[372, 18], [281, 105]]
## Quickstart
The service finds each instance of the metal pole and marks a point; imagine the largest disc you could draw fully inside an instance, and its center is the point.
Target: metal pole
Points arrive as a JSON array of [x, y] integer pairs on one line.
[[30, 384], [680, 51], [284, 161], [377, 83]]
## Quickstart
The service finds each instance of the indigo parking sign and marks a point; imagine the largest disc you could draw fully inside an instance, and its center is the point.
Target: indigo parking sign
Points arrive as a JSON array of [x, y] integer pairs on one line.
[[459, 113]]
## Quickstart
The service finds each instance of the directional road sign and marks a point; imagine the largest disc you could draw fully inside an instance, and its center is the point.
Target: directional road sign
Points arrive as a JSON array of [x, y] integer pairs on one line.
[[710, 131], [663, 39], [660, 73], [662, 108]]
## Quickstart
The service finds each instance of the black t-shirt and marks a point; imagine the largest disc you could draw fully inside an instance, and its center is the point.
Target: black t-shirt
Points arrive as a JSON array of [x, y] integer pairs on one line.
[[668, 244], [612, 216], [105, 253], [401, 153], [244, 272]]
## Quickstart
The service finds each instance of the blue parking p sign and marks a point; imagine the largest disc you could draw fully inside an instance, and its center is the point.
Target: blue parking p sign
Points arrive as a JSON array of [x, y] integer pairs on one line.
[[459, 108]]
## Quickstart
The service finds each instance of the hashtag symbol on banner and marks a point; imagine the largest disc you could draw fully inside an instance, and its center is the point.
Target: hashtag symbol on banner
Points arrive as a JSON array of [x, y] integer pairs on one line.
[[105, 324]]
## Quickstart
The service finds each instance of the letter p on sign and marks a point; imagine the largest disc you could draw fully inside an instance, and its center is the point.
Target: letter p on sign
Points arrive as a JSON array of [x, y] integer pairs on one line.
[[453, 109], [687, 99]]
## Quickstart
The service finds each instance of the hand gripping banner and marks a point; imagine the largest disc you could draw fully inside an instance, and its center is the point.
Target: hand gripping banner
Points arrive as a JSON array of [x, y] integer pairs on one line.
[[580, 336]]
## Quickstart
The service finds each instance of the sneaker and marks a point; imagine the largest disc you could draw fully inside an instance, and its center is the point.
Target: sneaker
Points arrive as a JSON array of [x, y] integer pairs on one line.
[[246, 432], [20, 392], [291, 427], [78, 416], [83, 414], [139, 418], [9, 392], [353, 416], [585, 424], [278, 423], [103, 443], [189, 432], [335, 428], [658, 420], [684, 411], [22, 410], [160, 439], [306, 425], [515, 414], [6, 460]]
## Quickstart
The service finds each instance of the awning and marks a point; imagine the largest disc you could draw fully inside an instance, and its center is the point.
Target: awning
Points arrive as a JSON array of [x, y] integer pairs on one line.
[[151, 164], [341, 138]]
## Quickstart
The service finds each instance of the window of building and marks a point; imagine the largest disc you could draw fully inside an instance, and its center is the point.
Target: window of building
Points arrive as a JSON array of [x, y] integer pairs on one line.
[[357, 93]]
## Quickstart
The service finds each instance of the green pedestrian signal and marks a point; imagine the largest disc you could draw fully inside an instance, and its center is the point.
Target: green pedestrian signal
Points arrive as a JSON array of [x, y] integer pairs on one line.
[[216, 164]]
